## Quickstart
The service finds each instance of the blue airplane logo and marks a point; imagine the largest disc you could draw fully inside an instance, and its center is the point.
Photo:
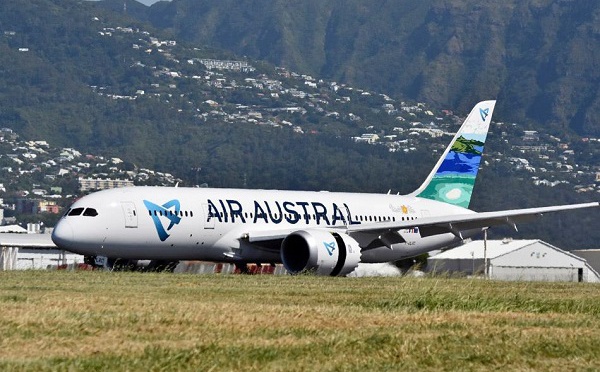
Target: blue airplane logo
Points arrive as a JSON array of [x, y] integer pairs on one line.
[[330, 247], [484, 113], [158, 211]]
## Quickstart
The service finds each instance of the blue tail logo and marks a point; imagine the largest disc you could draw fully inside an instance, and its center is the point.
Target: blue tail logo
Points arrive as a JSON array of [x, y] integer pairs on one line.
[[169, 210], [484, 113]]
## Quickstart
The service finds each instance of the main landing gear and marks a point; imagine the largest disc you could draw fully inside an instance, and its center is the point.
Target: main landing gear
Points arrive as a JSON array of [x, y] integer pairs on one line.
[[120, 264]]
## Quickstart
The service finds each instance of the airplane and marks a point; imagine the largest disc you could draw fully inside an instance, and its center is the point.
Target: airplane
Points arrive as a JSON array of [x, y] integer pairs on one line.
[[326, 233]]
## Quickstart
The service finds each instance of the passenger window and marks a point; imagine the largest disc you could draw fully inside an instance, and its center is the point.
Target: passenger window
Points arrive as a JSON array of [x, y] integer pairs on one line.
[[75, 211], [90, 212]]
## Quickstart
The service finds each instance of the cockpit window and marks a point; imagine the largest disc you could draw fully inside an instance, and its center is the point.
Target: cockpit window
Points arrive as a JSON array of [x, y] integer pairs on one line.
[[75, 211], [90, 212], [87, 212]]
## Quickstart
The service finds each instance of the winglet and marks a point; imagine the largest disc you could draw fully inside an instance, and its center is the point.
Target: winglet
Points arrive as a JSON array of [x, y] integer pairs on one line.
[[453, 177]]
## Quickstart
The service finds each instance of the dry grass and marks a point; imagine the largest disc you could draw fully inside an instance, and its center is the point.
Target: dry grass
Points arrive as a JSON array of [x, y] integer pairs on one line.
[[132, 321]]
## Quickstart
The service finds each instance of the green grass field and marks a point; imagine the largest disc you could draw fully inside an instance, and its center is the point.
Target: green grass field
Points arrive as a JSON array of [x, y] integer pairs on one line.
[[59, 321]]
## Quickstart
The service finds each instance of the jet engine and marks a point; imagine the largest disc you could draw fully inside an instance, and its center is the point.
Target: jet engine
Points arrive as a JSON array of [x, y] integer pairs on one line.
[[321, 252]]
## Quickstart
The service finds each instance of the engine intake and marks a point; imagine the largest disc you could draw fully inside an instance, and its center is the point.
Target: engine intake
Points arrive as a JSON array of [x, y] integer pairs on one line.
[[324, 252]]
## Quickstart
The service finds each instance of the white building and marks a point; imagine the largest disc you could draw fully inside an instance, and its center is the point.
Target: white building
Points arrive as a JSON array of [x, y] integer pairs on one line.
[[37, 259], [518, 260], [86, 184], [33, 251]]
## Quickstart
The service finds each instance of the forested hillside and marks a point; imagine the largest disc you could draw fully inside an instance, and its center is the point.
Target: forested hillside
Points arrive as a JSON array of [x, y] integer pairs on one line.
[[538, 57], [83, 77]]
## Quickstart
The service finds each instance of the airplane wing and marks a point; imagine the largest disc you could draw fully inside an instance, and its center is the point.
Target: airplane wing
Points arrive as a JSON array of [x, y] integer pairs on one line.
[[435, 225], [457, 223], [261, 236]]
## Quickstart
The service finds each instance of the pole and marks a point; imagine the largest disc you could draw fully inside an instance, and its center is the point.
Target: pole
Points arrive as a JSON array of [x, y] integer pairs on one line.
[[485, 263]]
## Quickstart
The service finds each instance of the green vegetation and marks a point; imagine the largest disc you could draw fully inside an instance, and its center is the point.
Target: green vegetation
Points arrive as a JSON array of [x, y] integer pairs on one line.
[[130, 321], [465, 146]]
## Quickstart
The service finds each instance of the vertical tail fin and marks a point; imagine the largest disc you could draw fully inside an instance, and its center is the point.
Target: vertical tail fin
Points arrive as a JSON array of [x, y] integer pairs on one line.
[[453, 177]]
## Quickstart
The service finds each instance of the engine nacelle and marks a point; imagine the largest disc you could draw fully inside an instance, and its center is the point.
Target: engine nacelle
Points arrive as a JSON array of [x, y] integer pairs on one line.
[[327, 253]]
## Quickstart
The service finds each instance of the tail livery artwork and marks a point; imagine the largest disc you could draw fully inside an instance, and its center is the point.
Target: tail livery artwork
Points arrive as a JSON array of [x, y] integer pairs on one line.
[[324, 232]]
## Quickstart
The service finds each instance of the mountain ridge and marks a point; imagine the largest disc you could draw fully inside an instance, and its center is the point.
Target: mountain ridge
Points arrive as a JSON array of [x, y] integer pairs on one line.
[[533, 56]]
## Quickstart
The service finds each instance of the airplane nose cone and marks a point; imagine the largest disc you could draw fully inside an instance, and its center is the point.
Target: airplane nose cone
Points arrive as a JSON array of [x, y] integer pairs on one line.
[[62, 235]]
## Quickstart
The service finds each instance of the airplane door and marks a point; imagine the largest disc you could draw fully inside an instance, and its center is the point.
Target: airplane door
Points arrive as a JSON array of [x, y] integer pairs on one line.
[[209, 221], [130, 214]]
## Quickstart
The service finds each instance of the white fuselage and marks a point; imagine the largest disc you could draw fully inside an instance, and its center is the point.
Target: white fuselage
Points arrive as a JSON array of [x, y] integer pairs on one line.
[[160, 223]]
